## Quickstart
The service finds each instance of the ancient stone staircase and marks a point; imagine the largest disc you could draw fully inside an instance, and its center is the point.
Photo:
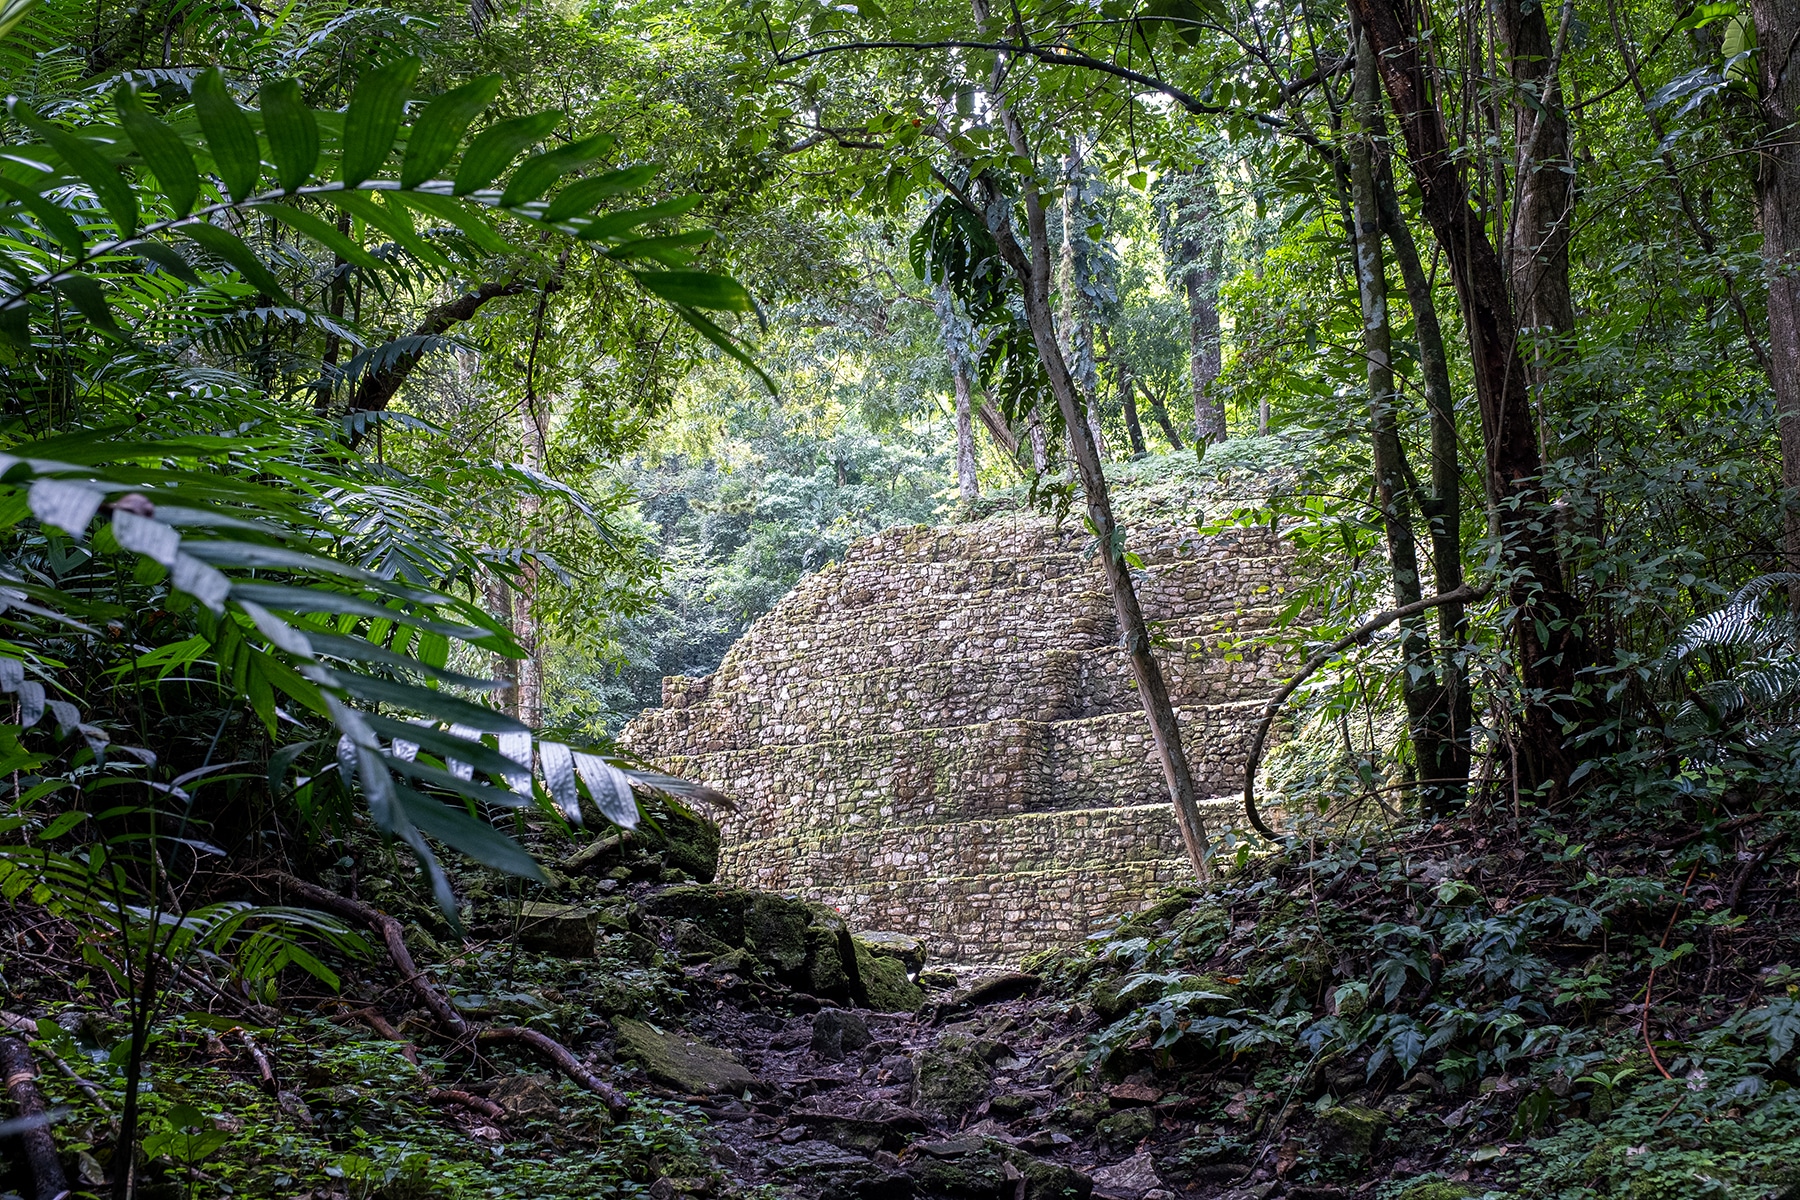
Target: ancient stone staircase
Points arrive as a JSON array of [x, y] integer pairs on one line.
[[940, 736]]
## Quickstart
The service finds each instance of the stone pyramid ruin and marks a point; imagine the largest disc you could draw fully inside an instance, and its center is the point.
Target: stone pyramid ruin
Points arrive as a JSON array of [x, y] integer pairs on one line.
[[940, 737]]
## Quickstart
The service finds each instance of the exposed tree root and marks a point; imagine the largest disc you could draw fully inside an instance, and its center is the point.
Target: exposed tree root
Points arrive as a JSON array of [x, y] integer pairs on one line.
[[263, 1067], [452, 1022], [39, 1148]]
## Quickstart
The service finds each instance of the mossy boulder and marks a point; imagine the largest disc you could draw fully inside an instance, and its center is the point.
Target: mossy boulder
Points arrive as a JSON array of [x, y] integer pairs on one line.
[[684, 1063], [565, 930], [1048, 1180], [1351, 1130], [717, 910], [1438, 1189], [826, 973], [1082, 1111], [775, 931], [980, 1175], [950, 1078], [1126, 1128], [686, 842], [883, 983], [904, 947]]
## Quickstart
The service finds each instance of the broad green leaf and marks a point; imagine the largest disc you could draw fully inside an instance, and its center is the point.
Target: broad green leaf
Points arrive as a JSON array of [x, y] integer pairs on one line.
[[475, 838], [168, 258], [231, 248], [456, 212], [440, 128], [373, 118], [696, 289], [92, 167], [12, 12], [440, 705], [496, 146], [325, 233], [55, 219], [481, 793], [323, 600], [537, 173], [229, 135], [614, 224], [727, 343], [392, 221], [579, 198], [84, 293], [443, 743], [360, 650], [162, 150], [671, 250], [293, 133]]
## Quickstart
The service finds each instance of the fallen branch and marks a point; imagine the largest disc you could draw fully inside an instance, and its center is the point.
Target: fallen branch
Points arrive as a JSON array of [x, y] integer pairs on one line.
[[263, 1067], [384, 1028], [486, 1108], [595, 849], [41, 1161], [1362, 633], [453, 1023]]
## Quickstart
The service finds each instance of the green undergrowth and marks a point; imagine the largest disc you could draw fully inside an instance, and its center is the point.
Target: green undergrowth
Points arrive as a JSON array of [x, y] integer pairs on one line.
[[1476, 999]]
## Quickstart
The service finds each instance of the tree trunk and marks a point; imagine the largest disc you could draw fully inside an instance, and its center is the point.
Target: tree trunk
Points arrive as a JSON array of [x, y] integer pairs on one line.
[[1128, 401], [956, 350], [1077, 317], [1160, 411], [1543, 179], [1546, 621], [968, 488], [1418, 681], [1040, 445], [1442, 506], [1033, 270], [1198, 251], [1778, 214], [997, 427]]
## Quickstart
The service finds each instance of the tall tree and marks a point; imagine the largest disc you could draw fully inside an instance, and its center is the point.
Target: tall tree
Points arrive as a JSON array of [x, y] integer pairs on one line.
[[956, 335], [1546, 622], [1196, 248], [1778, 214]]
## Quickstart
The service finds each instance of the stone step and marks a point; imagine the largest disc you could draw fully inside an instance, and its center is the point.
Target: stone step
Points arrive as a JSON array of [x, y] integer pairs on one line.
[[1067, 841], [969, 772], [842, 645], [771, 703]]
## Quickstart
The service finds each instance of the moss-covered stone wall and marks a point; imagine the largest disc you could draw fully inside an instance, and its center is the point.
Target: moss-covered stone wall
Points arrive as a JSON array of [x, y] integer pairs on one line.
[[940, 735]]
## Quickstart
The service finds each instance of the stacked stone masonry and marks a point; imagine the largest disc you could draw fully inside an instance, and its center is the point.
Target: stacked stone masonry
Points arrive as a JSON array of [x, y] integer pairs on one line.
[[940, 734]]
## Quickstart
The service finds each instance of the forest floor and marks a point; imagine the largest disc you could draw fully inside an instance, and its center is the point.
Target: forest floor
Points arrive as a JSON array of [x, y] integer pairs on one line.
[[1453, 1014]]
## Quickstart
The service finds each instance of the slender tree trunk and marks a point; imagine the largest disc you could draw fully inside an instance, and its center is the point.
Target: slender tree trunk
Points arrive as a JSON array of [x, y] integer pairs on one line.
[[1546, 623], [1197, 246], [1128, 401], [1418, 679], [997, 427], [956, 350], [967, 486], [1441, 506], [38, 1144], [1543, 178], [1160, 411], [1040, 445], [1077, 317], [1778, 213], [1033, 271]]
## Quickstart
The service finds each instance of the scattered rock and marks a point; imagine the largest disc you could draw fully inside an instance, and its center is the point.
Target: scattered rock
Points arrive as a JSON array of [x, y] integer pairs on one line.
[[978, 1175], [686, 1064], [1350, 1130], [1438, 1189], [873, 1127], [525, 1097], [565, 930], [937, 981], [1134, 1093], [1047, 1139], [949, 1079], [1013, 1105], [835, 1031], [1127, 1128], [734, 962], [1008, 985], [694, 943], [909, 950], [1047, 1180], [1129, 1180], [882, 983]]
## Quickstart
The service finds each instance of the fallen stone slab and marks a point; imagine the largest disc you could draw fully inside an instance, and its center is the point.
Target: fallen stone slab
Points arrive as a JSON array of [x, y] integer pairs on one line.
[[873, 1126], [1128, 1180], [684, 1063]]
